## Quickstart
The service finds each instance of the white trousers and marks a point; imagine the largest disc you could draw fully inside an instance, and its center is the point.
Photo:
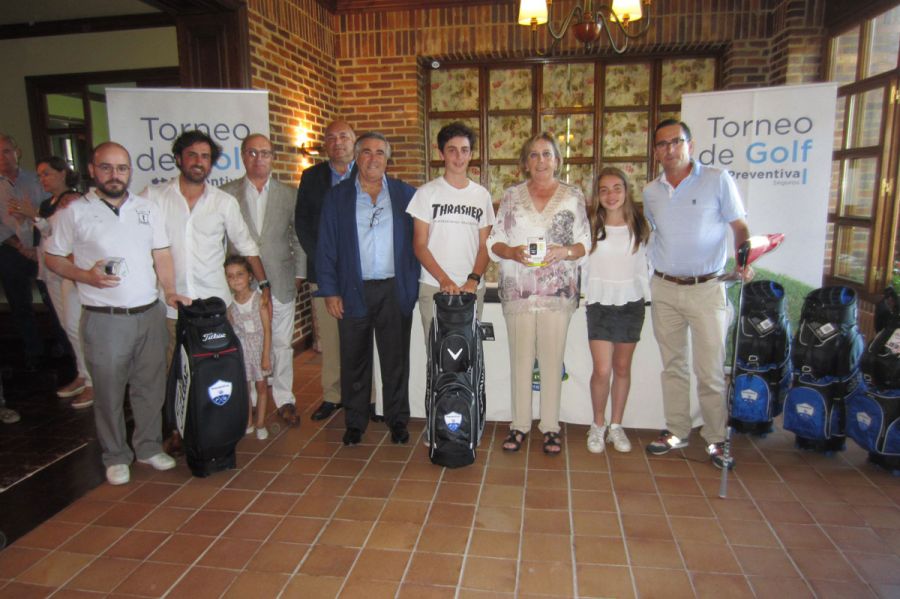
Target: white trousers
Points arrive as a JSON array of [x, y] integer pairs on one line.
[[67, 305]]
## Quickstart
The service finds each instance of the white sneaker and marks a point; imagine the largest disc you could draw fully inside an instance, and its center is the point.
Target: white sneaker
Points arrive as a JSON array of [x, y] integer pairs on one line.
[[160, 461], [8, 416], [618, 438], [250, 430], [262, 433], [595, 442], [118, 474]]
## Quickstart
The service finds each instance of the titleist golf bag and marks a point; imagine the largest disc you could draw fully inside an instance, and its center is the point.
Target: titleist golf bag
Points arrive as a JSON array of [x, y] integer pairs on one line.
[[825, 356], [873, 411], [454, 402], [207, 395], [761, 375]]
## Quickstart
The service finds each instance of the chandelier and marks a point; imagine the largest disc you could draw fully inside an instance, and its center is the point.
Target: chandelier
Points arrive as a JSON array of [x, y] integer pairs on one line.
[[589, 24]]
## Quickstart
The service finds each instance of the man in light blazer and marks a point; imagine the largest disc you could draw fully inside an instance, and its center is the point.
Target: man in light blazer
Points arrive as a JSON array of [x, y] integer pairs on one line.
[[268, 209]]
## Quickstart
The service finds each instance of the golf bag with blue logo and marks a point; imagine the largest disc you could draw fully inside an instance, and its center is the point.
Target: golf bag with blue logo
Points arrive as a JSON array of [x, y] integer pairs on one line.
[[873, 411], [825, 356], [454, 402], [761, 375], [207, 396]]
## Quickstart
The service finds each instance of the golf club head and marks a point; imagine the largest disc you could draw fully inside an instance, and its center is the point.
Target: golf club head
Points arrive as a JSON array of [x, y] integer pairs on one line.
[[755, 247]]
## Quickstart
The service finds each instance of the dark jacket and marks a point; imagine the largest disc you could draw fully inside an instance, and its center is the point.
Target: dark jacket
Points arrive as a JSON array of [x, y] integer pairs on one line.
[[337, 254], [314, 184]]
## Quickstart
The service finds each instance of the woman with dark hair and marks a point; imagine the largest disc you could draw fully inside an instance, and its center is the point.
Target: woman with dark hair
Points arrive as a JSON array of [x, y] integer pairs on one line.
[[58, 179], [617, 287], [540, 234]]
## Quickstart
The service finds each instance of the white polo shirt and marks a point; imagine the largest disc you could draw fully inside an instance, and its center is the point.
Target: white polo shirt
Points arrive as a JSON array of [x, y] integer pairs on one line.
[[198, 238], [90, 230]]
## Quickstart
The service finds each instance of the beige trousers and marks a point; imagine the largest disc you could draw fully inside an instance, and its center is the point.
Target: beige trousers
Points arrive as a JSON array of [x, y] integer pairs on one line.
[[329, 343]]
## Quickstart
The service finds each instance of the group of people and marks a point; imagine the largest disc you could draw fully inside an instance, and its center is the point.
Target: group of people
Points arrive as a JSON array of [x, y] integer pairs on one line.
[[371, 247]]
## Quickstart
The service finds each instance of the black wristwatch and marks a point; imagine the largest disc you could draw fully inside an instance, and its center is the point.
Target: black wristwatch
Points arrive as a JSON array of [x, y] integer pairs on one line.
[[264, 284], [474, 277]]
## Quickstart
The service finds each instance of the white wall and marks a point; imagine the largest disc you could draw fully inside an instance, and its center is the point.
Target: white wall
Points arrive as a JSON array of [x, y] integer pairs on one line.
[[88, 52]]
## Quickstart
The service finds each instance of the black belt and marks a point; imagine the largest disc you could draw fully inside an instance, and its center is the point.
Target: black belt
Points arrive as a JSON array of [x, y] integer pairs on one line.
[[126, 311], [685, 280]]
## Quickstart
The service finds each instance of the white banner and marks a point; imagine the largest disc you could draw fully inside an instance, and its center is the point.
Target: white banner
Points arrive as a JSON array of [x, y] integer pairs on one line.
[[777, 143], [147, 121]]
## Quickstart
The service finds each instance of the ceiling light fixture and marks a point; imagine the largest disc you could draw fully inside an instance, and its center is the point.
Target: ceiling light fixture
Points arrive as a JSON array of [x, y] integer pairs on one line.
[[589, 24]]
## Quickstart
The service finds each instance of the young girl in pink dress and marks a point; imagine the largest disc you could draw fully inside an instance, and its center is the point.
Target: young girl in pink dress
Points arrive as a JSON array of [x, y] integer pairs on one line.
[[253, 325]]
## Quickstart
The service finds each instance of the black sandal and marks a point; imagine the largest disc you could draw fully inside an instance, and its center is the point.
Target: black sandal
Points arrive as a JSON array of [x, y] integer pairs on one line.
[[514, 440], [551, 440]]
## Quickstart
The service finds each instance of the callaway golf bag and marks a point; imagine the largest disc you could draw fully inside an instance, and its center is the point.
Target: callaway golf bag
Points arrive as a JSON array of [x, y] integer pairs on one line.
[[761, 374], [207, 395], [873, 411], [454, 402], [825, 355]]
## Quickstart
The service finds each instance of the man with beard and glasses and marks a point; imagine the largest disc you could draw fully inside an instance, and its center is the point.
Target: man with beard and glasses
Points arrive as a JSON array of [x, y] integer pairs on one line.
[[121, 251], [198, 218]]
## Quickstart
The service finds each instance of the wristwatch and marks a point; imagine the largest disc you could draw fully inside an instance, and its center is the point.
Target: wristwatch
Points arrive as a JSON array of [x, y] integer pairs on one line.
[[264, 284], [474, 277], [568, 252]]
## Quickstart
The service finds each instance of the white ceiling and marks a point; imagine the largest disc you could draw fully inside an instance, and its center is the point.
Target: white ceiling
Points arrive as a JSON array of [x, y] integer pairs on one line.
[[34, 11]]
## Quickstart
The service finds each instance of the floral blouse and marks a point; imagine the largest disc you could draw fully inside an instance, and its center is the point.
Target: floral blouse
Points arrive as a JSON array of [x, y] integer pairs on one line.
[[564, 221]]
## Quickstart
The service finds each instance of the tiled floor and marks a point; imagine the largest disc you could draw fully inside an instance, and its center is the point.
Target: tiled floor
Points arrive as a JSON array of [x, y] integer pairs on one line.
[[304, 516]]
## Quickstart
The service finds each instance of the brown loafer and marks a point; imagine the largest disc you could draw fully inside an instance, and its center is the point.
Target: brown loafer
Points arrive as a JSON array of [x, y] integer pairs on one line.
[[288, 413]]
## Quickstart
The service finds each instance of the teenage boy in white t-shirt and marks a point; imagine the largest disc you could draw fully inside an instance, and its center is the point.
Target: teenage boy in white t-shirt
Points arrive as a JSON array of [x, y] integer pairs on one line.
[[453, 216]]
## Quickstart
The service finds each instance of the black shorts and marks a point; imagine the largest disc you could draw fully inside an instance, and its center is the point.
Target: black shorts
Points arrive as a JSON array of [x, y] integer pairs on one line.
[[617, 324]]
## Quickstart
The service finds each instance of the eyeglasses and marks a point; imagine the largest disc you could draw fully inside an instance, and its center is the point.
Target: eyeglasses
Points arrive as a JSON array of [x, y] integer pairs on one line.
[[264, 154], [375, 214], [673, 143], [107, 169]]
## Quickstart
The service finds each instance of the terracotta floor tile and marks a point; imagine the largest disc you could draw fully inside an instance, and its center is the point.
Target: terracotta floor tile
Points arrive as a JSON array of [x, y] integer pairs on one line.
[[779, 588], [589, 481], [103, 574], [165, 519], [317, 506], [546, 521], [507, 519], [304, 465], [736, 509], [450, 514], [55, 568], [191, 496], [376, 589], [465, 493], [421, 591], [505, 476], [329, 560], [822, 564], [124, 515], [601, 501], [394, 535], [229, 553], [181, 548], [802, 536], [841, 514], [654, 553], [635, 483], [266, 463], [876, 568], [640, 503], [347, 533], [605, 524], [434, 569], [297, 529], [277, 557], [200, 583], [256, 584], [838, 589], [546, 578], [151, 579], [383, 470], [544, 479], [785, 511], [137, 544], [83, 511], [208, 522], [93, 539], [50, 535], [762, 490], [329, 485], [272, 503], [854, 538], [742, 532], [599, 550], [343, 467], [646, 527], [715, 586], [380, 564], [687, 505], [231, 500], [413, 490], [18, 590], [769, 562], [677, 486], [15, 559], [304, 586], [443, 539], [151, 492], [707, 557], [487, 574], [372, 487], [658, 582], [358, 508], [252, 526], [881, 516], [494, 543], [546, 547], [604, 581]]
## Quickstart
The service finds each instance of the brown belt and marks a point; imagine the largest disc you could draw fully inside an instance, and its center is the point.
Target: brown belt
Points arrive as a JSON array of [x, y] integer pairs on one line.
[[127, 311], [685, 280]]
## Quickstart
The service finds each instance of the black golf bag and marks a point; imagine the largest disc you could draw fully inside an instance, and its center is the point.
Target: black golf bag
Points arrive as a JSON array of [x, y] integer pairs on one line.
[[761, 375], [873, 411], [207, 395], [454, 402], [825, 355]]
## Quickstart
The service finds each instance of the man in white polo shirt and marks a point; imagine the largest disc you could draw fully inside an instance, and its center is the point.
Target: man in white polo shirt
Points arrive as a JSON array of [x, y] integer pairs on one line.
[[120, 251], [692, 208]]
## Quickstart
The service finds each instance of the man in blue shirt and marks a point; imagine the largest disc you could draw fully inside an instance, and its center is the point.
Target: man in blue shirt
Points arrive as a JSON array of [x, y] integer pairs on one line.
[[368, 275], [692, 208]]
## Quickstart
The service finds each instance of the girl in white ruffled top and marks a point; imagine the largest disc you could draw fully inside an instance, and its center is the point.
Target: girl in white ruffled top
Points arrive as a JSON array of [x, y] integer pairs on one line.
[[617, 288]]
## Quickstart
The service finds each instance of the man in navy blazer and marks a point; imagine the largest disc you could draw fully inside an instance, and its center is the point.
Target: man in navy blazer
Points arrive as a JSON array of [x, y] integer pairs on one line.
[[368, 275]]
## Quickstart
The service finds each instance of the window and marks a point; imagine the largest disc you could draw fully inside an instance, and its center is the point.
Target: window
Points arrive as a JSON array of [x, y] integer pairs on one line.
[[863, 208]]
